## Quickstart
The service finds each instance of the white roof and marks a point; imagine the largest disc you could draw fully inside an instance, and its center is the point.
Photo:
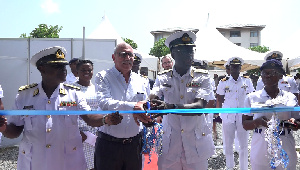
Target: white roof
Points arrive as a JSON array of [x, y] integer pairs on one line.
[[105, 30]]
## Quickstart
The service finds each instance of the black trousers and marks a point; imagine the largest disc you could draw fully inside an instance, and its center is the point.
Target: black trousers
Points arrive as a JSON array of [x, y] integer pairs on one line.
[[112, 154]]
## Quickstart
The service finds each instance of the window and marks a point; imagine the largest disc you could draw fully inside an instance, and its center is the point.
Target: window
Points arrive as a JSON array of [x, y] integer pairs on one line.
[[235, 33], [253, 44], [238, 44], [253, 33]]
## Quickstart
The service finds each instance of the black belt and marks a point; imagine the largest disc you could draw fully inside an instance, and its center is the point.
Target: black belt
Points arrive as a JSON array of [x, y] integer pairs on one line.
[[281, 132], [120, 140]]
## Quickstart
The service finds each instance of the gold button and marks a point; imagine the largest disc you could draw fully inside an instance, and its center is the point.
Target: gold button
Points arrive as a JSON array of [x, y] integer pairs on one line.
[[48, 116], [166, 89], [181, 81], [49, 101], [48, 146], [193, 91], [23, 152], [182, 130], [181, 96], [48, 130], [74, 149], [203, 134], [26, 115]]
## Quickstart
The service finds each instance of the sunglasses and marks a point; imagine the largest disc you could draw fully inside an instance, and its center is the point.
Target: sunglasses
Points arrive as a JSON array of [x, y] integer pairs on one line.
[[124, 54]]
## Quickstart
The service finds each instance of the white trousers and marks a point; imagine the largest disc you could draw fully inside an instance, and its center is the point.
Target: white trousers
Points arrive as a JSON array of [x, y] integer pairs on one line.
[[229, 130]]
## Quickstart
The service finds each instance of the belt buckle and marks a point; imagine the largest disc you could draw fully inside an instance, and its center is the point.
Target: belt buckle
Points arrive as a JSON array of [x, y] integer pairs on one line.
[[127, 141]]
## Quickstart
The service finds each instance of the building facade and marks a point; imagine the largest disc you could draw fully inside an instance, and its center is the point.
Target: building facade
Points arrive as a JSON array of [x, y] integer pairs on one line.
[[246, 36]]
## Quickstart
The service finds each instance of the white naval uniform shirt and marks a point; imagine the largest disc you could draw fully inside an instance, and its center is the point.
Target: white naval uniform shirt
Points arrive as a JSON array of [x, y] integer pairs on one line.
[[259, 146], [115, 94], [286, 83], [234, 95], [49, 142], [188, 132]]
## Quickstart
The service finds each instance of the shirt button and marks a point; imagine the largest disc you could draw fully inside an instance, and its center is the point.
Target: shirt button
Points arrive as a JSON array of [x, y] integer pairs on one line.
[[181, 81], [48, 146], [181, 96], [203, 134], [166, 89], [23, 152], [182, 130], [74, 149], [48, 130], [49, 101]]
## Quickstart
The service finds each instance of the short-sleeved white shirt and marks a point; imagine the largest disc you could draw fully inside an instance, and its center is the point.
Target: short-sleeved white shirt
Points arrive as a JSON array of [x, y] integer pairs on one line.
[[258, 144], [50, 142], [234, 94], [115, 94]]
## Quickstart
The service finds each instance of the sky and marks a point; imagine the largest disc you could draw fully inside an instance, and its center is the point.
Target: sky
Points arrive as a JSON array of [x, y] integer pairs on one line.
[[135, 19]]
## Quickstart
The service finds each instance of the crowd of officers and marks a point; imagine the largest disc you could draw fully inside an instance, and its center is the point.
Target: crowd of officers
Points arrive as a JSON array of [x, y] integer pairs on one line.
[[55, 141]]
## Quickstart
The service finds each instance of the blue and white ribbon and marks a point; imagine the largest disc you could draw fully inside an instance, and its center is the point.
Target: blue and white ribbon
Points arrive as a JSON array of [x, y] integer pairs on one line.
[[172, 111]]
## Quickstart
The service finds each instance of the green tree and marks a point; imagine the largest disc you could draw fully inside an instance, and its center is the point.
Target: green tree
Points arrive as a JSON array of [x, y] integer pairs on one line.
[[260, 49], [43, 31], [159, 49], [131, 43]]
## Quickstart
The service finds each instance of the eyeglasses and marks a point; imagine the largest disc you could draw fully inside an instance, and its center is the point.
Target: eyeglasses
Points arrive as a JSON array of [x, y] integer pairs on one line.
[[168, 62], [124, 54]]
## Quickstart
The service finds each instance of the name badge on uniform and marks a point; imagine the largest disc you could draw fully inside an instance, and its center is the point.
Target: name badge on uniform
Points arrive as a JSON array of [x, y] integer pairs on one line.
[[166, 85], [28, 107], [227, 89], [193, 84]]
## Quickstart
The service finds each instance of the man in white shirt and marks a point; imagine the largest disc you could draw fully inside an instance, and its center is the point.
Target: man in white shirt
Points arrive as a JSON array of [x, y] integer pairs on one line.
[[187, 140], [118, 145], [49, 141], [232, 92]]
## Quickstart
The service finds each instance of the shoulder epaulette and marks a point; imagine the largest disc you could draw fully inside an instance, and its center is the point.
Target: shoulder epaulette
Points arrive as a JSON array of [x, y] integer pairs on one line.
[[288, 75], [201, 71], [72, 86], [164, 72], [27, 86], [225, 78], [246, 76]]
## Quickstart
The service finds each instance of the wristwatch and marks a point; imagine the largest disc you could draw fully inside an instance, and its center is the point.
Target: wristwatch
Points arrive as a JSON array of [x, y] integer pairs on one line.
[[103, 120]]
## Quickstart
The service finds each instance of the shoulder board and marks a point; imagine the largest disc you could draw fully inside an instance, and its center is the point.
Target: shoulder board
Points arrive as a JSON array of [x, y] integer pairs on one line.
[[201, 71], [72, 86], [288, 75], [27, 86], [246, 76], [225, 78], [164, 72]]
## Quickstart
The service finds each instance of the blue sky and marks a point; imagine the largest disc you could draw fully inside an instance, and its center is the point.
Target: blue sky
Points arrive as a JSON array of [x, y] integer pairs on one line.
[[134, 19]]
